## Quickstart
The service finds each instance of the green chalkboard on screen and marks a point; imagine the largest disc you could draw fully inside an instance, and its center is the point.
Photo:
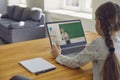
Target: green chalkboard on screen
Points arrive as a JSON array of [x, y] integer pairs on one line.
[[73, 29]]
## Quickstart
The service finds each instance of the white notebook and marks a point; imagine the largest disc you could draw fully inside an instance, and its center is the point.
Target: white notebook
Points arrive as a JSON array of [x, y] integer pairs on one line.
[[37, 65]]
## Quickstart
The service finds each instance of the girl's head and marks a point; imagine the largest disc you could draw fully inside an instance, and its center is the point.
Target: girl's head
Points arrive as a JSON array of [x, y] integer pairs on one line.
[[107, 18], [107, 23]]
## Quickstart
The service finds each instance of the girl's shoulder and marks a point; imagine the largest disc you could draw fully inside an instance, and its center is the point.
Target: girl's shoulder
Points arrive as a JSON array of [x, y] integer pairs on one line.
[[98, 40]]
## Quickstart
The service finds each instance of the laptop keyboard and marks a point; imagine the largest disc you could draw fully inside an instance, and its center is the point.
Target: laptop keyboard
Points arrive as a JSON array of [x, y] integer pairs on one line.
[[72, 54]]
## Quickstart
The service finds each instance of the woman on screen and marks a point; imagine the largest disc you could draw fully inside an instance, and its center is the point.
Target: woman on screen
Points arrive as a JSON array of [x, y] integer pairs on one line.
[[65, 36]]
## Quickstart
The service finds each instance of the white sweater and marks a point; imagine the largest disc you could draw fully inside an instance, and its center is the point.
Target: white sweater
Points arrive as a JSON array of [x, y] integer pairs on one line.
[[96, 52]]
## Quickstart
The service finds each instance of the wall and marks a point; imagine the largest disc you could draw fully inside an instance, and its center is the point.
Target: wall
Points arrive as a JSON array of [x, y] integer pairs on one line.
[[17, 2], [13, 2], [52, 4], [3, 6], [44, 4], [35, 3]]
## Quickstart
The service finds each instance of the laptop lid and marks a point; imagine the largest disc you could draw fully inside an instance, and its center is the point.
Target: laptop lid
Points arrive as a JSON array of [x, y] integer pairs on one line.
[[67, 34]]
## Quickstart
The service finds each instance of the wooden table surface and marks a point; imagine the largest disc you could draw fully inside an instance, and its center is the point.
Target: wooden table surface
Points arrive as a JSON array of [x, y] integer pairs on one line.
[[11, 54]]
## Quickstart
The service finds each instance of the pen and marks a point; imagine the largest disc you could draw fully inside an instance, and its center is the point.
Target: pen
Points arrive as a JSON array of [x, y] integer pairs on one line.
[[44, 71]]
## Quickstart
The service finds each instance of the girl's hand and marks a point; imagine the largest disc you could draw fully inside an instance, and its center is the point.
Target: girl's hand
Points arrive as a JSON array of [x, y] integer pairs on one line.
[[56, 50]]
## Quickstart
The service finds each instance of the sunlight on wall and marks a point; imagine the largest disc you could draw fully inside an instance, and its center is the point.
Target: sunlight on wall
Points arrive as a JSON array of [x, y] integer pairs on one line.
[[17, 2], [23, 2]]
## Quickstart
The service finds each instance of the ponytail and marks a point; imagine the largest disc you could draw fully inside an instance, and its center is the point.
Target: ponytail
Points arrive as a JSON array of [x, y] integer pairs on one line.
[[111, 67]]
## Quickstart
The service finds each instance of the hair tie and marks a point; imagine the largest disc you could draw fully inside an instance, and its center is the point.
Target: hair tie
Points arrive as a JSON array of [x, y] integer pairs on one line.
[[111, 49]]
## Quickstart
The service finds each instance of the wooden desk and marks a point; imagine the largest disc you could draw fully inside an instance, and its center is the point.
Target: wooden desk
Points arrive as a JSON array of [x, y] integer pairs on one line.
[[11, 54]]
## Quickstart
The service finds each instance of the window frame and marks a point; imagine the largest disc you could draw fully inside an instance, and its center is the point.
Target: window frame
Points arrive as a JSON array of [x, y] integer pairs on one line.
[[80, 8]]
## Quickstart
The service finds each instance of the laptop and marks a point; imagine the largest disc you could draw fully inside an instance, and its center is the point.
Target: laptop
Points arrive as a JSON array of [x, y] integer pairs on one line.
[[69, 35]]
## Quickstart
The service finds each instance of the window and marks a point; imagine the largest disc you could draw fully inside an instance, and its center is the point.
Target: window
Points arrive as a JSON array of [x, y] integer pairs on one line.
[[78, 5]]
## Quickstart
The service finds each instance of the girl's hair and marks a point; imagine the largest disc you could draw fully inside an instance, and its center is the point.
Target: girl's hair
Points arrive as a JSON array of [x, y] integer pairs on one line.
[[109, 16]]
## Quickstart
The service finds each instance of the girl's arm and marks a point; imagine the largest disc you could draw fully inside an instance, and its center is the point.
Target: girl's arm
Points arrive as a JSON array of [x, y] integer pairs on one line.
[[90, 53]]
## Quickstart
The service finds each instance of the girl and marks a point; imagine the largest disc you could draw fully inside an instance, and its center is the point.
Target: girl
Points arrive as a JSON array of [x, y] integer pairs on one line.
[[104, 52]]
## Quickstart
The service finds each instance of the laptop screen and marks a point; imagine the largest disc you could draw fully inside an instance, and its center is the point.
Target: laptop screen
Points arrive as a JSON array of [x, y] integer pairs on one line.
[[68, 34]]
